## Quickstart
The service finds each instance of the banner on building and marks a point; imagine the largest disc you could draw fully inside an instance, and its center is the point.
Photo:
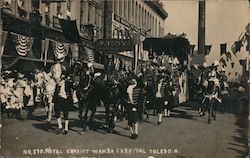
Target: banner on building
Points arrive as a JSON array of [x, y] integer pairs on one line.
[[229, 56], [208, 49], [60, 50], [23, 44], [223, 48], [191, 49], [223, 61], [70, 30]]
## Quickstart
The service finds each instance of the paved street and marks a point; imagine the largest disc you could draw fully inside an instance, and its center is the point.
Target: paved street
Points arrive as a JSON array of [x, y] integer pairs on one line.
[[184, 135]]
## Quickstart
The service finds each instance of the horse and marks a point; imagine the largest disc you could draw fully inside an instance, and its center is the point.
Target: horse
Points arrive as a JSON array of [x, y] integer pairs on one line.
[[48, 87], [210, 97]]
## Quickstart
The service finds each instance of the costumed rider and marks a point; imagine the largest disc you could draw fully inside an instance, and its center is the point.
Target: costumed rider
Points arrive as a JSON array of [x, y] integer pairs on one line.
[[132, 107], [224, 89], [212, 89]]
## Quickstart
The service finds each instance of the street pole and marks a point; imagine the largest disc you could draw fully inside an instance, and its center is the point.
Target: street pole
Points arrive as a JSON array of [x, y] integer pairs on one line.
[[1, 36]]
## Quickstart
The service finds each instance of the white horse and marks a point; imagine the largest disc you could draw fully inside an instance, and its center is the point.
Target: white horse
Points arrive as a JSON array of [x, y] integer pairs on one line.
[[48, 84]]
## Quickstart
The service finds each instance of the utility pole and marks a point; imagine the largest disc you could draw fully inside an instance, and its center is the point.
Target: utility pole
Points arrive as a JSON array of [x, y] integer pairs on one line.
[[201, 27]]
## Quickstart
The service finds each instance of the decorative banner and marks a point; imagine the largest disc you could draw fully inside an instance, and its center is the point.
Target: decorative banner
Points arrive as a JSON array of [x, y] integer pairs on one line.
[[229, 56], [232, 64], [238, 45], [223, 61], [223, 48], [207, 49], [70, 30], [60, 50], [22, 43], [191, 49]]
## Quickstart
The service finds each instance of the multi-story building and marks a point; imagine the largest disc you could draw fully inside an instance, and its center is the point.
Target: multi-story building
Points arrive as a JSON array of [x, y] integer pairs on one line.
[[95, 19], [46, 14], [124, 18]]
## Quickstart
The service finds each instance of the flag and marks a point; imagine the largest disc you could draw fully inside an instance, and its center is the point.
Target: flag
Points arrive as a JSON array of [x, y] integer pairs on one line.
[[229, 56], [223, 48], [238, 45], [236, 73], [191, 49], [207, 49], [70, 30], [22, 43], [223, 62], [232, 64]]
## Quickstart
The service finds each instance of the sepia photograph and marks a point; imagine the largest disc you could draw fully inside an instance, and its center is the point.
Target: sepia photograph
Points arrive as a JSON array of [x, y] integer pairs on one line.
[[124, 78]]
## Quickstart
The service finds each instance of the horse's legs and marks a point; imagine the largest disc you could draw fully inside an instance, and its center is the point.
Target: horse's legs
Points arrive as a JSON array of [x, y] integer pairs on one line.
[[81, 105], [209, 111]]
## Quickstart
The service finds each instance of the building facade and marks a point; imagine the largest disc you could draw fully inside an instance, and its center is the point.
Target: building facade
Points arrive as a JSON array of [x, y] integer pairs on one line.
[[95, 19], [88, 15], [136, 19]]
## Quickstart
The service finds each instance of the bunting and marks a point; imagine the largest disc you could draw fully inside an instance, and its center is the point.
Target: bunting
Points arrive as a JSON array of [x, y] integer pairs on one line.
[[223, 48], [207, 49], [22, 43], [60, 50]]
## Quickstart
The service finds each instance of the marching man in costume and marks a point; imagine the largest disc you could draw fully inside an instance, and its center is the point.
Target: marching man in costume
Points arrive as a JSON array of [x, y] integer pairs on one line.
[[61, 104], [160, 98], [133, 95]]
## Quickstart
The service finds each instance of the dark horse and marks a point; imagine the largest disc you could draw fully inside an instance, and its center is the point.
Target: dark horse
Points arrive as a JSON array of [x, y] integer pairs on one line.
[[91, 92], [210, 98]]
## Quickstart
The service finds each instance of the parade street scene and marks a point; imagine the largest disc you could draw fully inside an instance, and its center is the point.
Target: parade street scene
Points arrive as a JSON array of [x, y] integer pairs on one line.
[[124, 78]]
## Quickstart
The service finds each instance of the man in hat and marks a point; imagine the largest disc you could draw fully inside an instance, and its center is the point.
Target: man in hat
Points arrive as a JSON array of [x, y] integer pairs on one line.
[[160, 97], [61, 104], [132, 107], [224, 90]]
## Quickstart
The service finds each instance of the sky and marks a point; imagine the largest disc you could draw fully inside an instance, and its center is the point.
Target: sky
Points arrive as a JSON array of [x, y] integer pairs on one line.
[[225, 21]]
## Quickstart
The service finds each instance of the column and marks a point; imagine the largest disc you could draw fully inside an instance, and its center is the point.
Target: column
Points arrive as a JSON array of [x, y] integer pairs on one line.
[[85, 11]]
